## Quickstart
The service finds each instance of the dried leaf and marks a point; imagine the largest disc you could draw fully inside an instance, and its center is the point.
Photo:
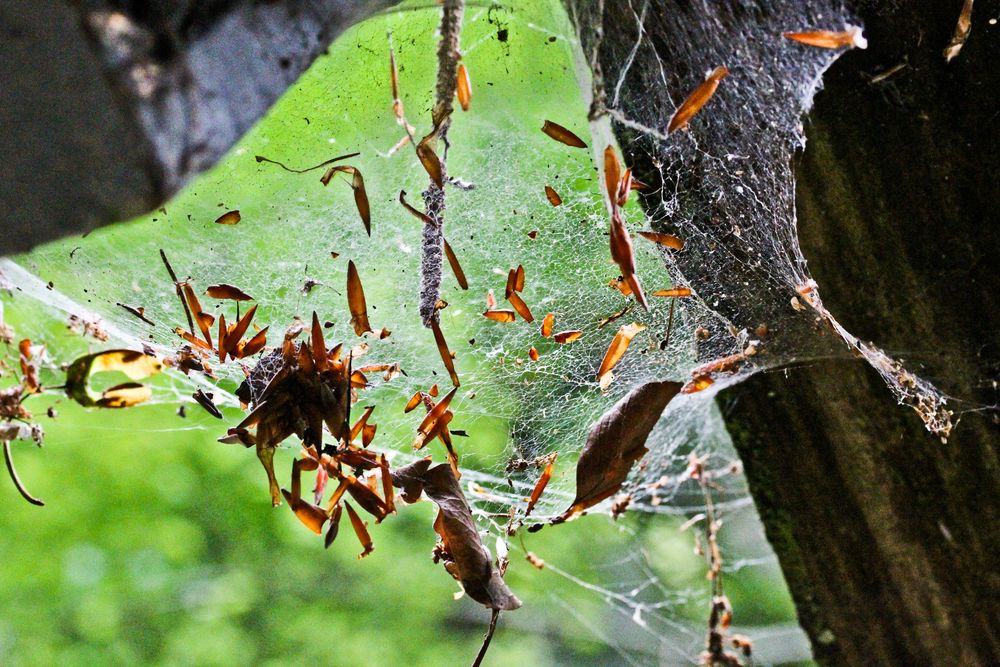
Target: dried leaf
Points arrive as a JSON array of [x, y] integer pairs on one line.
[[356, 301], [564, 337], [468, 560], [616, 442], [624, 256], [668, 240], [456, 268], [227, 292], [205, 401], [674, 292], [505, 316], [829, 39], [442, 346], [334, 529], [252, 346], [204, 319], [533, 354], [561, 134], [520, 306], [696, 100], [360, 530], [619, 344], [240, 328], [547, 324], [229, 218], [535, 561], [519, 278], [430, 160], [553, 196], [430, 421], [135, 365], [410, 478], [420, 215], [463, 87], [138, 312], [540, 485], [612, 174]]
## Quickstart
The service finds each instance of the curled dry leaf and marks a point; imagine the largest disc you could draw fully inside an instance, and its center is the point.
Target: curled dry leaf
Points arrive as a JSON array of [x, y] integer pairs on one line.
[[360, 194], [505, 316], [466, 559], [356, 301], [698, 98], [616, 442], [851, 37], [561, 134], [619, 344], [519, 278], [959, 37], [205, 401], [552, 196], [430, 427], [429, 159], [227, 292], [668, 240], [564, 337], [533, 354], [228, 218], [419, 215], [135, 365], [360, 530], [463, 87], [410, 478]]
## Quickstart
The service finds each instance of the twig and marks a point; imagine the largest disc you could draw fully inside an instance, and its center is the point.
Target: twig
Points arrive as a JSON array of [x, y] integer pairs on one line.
[[487, 639], [261, 158], [177, 288], [431, 256], [17, 480]]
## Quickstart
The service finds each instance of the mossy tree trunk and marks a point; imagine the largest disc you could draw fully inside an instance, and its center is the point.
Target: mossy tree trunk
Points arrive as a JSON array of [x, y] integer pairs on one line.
[[889, 539]]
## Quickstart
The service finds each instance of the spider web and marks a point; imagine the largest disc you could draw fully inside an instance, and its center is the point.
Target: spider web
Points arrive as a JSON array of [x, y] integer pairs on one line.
[[725, 187]]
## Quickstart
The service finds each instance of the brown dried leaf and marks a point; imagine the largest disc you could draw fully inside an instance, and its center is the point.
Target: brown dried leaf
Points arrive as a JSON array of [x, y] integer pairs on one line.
[[442, 346], [674, 292], [410, 478], [463, 87], [564, 337], [356, 301], [426, 429], [420, 215], [456, 268], [553, 196], [540, 485], [205, 401], [504, 316], [696, 100], [227, 292], [229, 218], [547, 324], [668, 240], [561, 134], [829, 39], [619, 344], [360, 530], [469, 561], [520, 306], [429, 159], [616, 442], [612, 174]]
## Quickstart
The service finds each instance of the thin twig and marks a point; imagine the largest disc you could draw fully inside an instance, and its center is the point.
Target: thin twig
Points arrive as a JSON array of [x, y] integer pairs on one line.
[[177, 288], [487, 639], [431, 256], [261, 158], [17, 480]]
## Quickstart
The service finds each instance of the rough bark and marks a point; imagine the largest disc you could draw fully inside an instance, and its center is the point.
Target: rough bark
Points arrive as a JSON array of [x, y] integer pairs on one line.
[[887, 537], [109, 106]]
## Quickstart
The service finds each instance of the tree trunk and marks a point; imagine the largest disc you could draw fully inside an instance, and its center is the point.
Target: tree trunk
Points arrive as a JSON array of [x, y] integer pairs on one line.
[[888, 538], [108, 107]]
